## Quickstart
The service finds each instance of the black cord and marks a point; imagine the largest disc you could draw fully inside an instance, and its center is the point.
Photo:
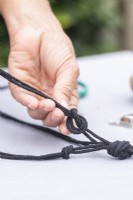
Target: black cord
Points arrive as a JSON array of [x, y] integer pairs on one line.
[[119, 149]]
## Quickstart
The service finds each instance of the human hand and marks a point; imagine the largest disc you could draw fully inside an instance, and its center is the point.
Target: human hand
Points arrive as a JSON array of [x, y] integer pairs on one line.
[[42, 56]]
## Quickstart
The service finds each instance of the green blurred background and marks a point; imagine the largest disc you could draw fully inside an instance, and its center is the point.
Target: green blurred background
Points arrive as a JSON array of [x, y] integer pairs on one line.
[[94, 26]]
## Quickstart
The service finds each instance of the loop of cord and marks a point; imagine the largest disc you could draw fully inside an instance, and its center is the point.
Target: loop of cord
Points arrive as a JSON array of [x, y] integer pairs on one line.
[[80, 122], [76, 124]]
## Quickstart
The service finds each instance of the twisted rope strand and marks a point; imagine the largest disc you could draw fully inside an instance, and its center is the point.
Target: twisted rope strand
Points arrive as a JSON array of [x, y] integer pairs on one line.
[[119, 149], [44, 129]]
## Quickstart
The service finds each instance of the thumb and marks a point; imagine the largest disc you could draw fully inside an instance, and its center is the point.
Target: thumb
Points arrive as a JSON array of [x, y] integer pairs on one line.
[[65, 88]]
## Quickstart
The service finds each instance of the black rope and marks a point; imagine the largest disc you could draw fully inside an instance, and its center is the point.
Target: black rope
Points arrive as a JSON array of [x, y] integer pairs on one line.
[[76, 124]]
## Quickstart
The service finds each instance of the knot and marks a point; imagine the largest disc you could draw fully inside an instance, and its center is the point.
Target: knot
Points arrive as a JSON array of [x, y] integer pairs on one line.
[[119, 149], [80, 124], [66, 151]]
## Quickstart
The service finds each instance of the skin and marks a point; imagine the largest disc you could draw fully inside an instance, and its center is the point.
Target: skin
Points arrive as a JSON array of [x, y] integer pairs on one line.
[[42, 55]]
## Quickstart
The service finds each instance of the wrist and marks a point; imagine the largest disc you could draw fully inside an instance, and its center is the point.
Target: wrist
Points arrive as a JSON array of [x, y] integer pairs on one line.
[[19, 14]]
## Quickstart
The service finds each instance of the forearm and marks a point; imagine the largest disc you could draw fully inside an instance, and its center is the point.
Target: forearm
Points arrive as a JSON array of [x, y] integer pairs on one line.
[[19, 13]]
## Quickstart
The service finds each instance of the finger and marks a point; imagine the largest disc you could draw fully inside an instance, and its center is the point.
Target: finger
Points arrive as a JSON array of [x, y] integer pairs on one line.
[[73, 104], [23, 97], [74, 98], [65, 83], [54, 118], [45, 106], [62, 126], [63, 129]]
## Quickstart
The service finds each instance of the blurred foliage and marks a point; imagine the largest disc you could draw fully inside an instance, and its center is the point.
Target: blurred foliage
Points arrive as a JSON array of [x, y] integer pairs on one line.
[[92, 25], [4, 43]]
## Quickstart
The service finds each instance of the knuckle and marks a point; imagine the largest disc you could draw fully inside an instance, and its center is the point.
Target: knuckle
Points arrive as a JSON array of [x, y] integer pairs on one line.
[[67, 91]]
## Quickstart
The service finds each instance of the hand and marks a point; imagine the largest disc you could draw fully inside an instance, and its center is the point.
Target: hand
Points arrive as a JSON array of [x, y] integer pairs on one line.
[[42, 56]]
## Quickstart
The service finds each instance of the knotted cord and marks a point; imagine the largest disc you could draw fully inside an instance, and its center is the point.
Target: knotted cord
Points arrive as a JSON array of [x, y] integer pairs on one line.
[[76, 124]]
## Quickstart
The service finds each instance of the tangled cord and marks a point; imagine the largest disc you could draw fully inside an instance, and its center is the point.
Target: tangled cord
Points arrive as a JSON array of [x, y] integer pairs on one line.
[[76, 124]]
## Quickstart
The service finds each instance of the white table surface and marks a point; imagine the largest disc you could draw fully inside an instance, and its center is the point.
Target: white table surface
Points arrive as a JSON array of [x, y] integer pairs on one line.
[[95, 176]]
